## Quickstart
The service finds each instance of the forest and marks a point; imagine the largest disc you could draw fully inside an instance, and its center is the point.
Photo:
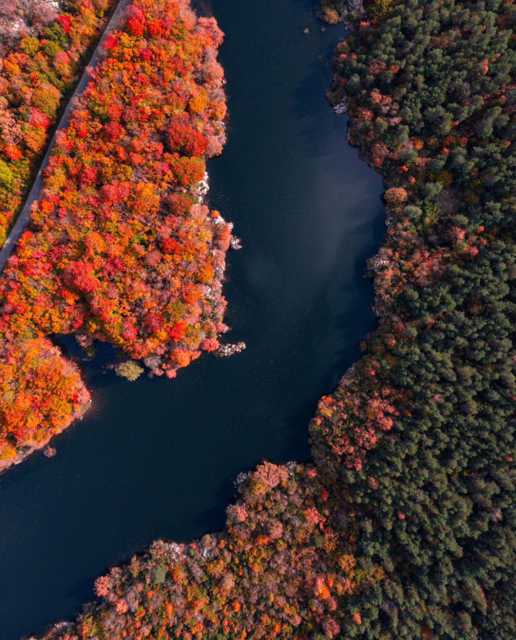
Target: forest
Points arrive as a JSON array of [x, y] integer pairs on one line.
[[403, 526], [120, 247]]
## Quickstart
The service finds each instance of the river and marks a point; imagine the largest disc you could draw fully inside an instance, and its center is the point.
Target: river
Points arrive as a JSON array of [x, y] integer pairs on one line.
[[158, 458]]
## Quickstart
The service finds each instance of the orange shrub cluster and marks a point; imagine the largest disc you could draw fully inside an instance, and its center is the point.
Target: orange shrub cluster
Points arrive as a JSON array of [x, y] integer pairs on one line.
[[39, 65], [121, 247]]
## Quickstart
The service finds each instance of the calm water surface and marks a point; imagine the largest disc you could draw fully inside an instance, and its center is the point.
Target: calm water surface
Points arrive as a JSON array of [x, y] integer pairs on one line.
[[158, 458]]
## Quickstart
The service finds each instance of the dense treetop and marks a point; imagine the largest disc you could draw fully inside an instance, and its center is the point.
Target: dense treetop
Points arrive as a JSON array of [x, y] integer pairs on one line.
[[428, 91]]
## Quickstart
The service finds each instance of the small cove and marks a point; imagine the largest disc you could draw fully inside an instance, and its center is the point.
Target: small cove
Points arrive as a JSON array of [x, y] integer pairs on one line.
[[158, 458]]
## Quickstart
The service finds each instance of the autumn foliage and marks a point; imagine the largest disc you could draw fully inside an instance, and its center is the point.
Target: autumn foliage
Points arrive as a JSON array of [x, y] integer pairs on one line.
[[121, 247]]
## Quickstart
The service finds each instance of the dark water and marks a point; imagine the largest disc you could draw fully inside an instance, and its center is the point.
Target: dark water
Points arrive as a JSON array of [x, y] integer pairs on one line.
[[157, 458]]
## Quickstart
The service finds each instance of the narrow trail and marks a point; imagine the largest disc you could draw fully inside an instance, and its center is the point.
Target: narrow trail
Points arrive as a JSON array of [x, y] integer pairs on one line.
[[23, 217]]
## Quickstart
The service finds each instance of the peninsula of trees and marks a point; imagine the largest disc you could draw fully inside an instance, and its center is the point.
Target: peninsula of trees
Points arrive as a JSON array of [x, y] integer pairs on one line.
[[120, 246], [402, 526]]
